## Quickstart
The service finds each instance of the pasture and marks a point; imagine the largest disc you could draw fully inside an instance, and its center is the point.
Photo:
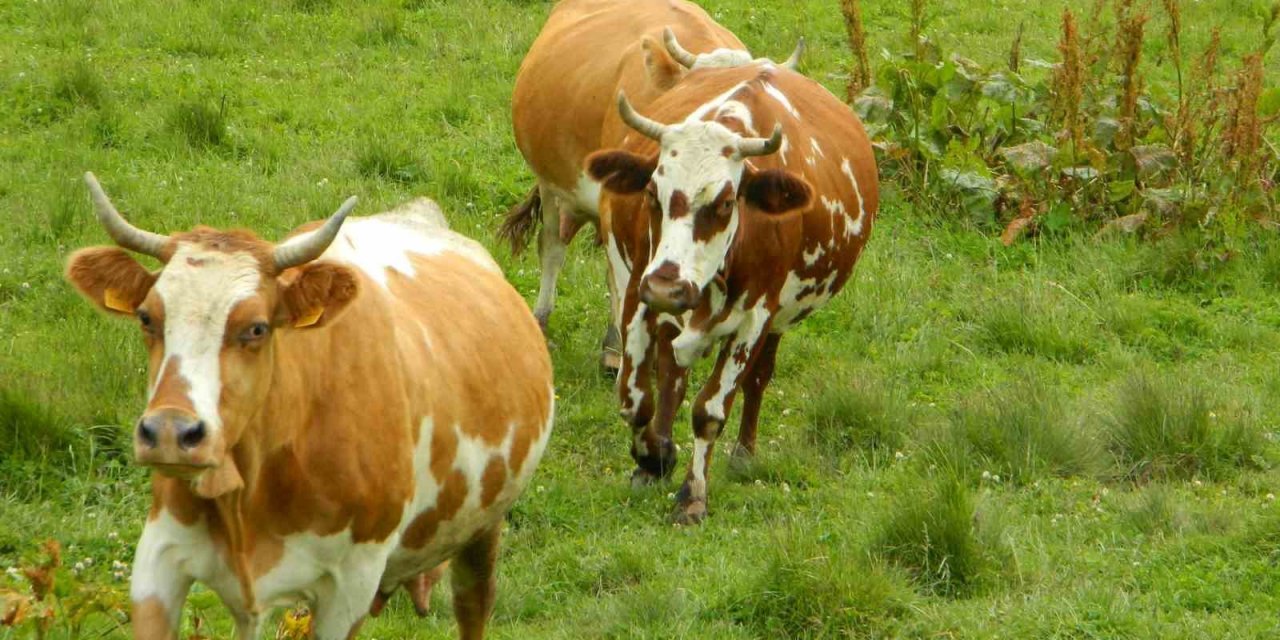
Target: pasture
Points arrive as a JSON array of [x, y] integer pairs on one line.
[[1068, 437]]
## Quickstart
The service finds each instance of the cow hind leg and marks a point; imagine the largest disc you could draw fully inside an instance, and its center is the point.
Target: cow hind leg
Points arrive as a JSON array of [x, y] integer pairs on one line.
[[552, 249], [473, 576]]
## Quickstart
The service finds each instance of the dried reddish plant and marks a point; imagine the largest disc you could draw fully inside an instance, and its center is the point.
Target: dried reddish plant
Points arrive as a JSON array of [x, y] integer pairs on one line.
[[860, 73], [1068, 83], [1015, 51], [1242, 135], [1131, 31]]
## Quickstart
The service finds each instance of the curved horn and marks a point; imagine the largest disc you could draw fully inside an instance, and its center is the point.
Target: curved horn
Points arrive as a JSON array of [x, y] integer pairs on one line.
[[793, 63], [125, 234], [678, 52], [748, 147], [307, 247], [650, 128]]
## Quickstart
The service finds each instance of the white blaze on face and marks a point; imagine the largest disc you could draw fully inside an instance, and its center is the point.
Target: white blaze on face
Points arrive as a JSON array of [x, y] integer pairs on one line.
[[199, 288], [693, 163]]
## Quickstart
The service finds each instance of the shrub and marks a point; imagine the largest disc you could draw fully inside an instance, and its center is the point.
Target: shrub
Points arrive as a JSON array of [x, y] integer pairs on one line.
[[1167, 428]]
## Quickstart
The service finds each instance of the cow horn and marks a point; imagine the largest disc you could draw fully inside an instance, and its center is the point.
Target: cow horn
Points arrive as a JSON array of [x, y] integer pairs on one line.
[[748, 147], [125, 234], [307, 247], [793, 63], [650, 128], [678, 52]]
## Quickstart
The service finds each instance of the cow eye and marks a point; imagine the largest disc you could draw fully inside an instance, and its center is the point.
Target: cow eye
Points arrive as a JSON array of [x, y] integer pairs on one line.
[[255, 332], [144, 319], [726, 207]]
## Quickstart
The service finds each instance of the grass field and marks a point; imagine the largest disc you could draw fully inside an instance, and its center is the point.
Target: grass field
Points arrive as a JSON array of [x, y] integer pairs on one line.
[[1067, 438]]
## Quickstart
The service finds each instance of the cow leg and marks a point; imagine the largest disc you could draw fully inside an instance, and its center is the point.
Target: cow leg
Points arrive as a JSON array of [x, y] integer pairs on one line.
[[474, 580], [342, 601], [248, 626], [709, 413], [753, 387], [673, 382], [552, 247], [654, 454], [158, 586], [619, 274]]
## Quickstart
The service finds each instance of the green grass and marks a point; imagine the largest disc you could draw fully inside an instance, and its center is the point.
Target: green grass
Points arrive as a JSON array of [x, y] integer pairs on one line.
[[1122, 510]]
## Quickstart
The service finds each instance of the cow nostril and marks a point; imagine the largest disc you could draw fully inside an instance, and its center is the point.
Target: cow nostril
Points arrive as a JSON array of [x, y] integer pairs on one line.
[[192, 436], [146, 433]]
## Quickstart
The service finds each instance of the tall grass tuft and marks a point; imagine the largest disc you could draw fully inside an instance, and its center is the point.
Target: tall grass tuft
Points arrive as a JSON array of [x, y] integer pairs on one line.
[[860, 71], [860, 415], [199, 123], [941, 538], [1018, 434], [79, 84], [1169, 428], [382, 158], [810, 590]]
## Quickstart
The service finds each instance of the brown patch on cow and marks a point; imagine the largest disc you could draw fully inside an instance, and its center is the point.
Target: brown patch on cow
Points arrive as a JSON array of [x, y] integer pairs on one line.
[[520, 444], [424, 527], [173, 390], [495, 477], [679, 205], [233, 241], [151, 620], [96, 270], [710, 220], [444, 448], [775, 190], [621, 171], [728, 152]]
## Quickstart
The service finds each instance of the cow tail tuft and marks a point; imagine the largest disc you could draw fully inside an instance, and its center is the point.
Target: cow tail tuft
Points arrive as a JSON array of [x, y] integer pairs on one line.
[[521, 223]]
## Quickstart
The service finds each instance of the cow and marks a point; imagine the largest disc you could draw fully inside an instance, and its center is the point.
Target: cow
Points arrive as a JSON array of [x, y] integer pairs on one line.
[[588, 51], [327, 418], [736, 207]]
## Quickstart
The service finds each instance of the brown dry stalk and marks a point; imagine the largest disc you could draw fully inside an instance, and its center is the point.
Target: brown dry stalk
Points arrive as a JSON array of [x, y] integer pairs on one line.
[[1180, 126], [1132, 29], [1015, 51], [1242, 135], [860, 74], [1068, 82], [917, 27]]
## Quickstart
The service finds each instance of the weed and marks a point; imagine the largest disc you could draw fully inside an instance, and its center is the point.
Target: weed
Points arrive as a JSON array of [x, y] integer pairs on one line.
[[80, 85], [199, 123], [385, 159], [860, 70]]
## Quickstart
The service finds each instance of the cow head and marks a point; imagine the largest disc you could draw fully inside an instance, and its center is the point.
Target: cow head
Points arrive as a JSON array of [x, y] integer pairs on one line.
[[210, 319], [722, 58], [694, 189]]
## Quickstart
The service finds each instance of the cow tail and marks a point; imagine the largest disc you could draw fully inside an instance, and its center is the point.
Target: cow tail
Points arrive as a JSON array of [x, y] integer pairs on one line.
[[521, 223]]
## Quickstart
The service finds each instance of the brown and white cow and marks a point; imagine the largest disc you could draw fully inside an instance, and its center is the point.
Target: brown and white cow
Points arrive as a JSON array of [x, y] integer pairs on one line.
[[587, 52], [326, 418], [739, 207]]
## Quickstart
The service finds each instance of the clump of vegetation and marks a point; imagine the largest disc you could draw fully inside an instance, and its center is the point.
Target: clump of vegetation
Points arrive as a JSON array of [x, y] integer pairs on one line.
[[941, 538], [1158, 512], [1090, 144], [80, 85], [1167, 428], [388, 160], [811, 590], [201, 124], [859, 415], [1018, 434], [382, 27], [1026, 324]]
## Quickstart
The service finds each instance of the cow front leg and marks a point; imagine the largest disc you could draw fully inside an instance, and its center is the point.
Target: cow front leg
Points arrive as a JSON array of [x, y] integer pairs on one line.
[[342, 598], [709, 413], [753, 387], [653, 453], [158, 588], [673, 381], [474, 581]]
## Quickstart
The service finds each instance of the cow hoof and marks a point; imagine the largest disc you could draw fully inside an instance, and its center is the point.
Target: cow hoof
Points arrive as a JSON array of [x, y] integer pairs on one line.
[[741, 461], [641, 479], [610, 363], [690, 513]]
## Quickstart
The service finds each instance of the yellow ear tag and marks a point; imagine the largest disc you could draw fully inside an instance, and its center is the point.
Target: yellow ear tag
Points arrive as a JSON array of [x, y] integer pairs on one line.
[[309, 319], [116, 301]]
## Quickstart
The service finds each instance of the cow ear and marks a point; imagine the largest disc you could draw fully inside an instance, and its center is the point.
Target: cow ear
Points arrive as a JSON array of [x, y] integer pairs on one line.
[[110, 278], [315, 294], [775, 191], [620, 171], [663, 71]]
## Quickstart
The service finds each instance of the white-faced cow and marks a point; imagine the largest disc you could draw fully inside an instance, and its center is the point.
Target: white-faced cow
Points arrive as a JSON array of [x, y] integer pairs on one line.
[[564, 96], [737, 206], [327, 418]]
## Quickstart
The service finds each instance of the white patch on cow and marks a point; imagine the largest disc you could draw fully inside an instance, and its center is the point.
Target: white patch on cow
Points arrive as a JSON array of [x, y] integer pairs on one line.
[[169, 556], [620, 272], [817, 148], [785, 149], [782, 99], [586, 196], [337, 573], [750, 328], [856, 227], [740, 112], [698, 479], [811, 259], [721, 59], [637, 347], [714, 103], [693, 163], [199, 288], [378, 244], [799, 295]]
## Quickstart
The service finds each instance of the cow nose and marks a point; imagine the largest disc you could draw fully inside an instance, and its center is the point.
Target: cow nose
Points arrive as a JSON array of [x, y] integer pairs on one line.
[[188, 431], [670, 295]]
